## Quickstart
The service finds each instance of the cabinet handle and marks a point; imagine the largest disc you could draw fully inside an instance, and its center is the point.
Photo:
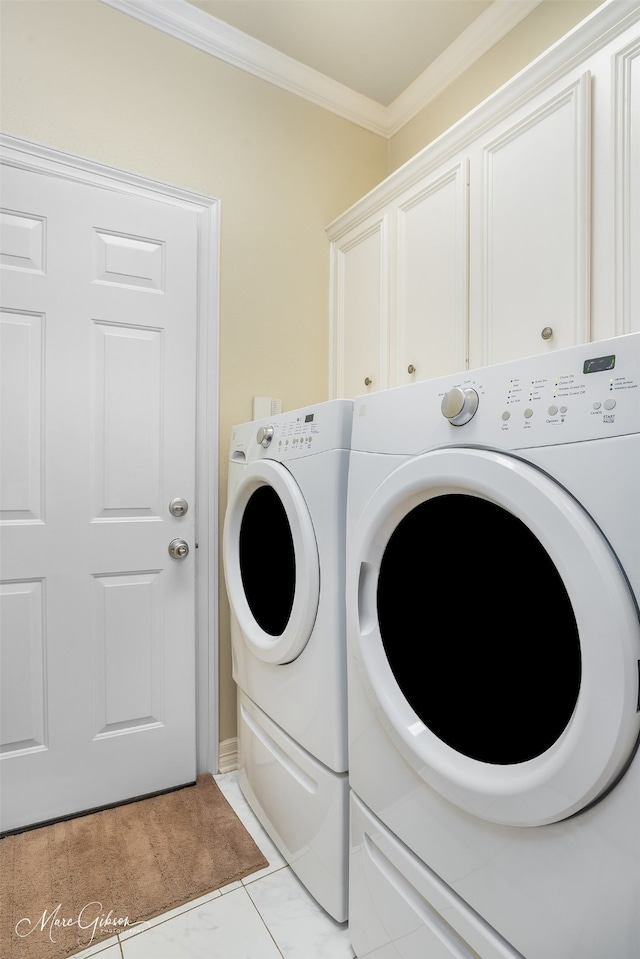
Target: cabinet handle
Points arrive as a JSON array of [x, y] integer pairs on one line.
[[367, 381], [547, 333], [411, 368]]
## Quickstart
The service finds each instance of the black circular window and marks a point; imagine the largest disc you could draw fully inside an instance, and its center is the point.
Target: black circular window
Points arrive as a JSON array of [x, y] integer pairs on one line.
[[478, 629], [267, 560]]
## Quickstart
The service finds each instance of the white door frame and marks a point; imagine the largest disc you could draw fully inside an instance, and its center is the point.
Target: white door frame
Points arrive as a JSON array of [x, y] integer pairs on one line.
[[40, 159]]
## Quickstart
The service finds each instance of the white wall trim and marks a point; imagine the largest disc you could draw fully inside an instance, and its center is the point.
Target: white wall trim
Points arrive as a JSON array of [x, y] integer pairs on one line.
[[188, 23], [228, 755], [35, 157]]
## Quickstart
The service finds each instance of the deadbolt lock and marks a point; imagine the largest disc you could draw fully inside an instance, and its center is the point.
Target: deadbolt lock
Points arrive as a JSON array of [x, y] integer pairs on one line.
[[178, 506]]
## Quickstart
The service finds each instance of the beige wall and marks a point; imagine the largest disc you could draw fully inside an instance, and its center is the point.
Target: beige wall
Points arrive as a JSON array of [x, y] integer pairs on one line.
[[89, 80], [535, 34]]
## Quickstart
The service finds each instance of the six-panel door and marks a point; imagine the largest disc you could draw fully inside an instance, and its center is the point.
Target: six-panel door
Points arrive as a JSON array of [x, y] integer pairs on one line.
[[98, 340]]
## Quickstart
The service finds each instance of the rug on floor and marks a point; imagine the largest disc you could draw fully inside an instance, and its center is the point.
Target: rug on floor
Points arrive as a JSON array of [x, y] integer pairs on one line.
[[68, 885]]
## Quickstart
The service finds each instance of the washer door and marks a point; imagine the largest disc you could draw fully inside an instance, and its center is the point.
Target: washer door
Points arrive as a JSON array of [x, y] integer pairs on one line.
[[496, 635], [271, 563]]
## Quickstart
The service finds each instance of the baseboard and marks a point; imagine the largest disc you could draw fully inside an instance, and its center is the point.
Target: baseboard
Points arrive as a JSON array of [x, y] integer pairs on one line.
[[228, 755]]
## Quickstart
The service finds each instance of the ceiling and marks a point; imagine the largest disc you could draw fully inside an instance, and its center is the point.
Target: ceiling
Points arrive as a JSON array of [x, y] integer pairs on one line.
[[375, 62], [375, 47]]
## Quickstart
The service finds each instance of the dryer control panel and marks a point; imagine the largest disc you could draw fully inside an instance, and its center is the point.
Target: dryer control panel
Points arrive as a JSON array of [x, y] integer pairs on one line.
[[573, 395], [582, 393]]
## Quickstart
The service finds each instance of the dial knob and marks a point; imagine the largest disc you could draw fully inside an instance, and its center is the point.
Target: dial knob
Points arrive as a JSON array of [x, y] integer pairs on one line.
[[265, 435], [459, 405]]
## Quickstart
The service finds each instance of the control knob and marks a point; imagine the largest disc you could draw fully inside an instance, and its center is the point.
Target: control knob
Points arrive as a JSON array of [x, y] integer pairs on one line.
[[265, 435], [459, 405]]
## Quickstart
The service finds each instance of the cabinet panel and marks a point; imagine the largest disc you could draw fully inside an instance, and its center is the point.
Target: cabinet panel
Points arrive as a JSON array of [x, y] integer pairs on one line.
[[627, 180], [536, 253], [432, 280], [360, 298]]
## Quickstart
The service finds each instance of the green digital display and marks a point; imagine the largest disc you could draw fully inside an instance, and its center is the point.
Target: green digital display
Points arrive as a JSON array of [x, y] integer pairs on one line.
[[599, 364]]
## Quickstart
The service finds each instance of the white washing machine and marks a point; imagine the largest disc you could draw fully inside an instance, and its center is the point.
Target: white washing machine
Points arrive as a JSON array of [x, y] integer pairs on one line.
[[284, 561], [493, 578]]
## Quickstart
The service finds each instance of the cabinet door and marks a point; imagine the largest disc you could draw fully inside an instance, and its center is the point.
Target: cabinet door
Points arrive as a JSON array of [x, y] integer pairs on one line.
[[429, 332], [627, 192], [531, 277], [360, 301]]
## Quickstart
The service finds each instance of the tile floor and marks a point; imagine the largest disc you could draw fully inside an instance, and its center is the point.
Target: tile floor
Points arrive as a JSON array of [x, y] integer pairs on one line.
[[268, 915]]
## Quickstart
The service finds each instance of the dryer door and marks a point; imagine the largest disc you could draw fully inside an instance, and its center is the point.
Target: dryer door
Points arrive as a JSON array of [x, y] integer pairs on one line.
[[271, 562], [496, 634]]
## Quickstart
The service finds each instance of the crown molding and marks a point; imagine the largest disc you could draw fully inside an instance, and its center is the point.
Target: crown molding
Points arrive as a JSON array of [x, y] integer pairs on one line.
[[188, 23], [602, 26], [489, 28]]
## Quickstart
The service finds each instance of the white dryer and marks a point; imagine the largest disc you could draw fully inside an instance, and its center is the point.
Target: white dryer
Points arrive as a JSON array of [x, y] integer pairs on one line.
[[493, 578], [284, 561]]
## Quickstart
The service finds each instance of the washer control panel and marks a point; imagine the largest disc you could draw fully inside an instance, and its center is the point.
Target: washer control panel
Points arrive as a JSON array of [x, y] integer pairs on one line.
[[303, 432]]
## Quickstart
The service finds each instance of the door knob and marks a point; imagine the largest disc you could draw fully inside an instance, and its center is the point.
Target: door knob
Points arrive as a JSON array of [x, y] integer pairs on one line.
[[178, 549]]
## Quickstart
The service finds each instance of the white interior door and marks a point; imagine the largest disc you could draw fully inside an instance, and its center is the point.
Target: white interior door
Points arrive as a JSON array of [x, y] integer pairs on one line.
[[98, 434]]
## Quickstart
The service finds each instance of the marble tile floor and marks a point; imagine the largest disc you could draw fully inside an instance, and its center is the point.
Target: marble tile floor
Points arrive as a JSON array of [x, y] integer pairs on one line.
[[268, 915]]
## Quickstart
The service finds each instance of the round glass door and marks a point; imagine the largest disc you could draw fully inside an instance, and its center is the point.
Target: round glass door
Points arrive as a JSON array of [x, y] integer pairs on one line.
[[271, 563], [498, 679], [267, 562], [496, 635]]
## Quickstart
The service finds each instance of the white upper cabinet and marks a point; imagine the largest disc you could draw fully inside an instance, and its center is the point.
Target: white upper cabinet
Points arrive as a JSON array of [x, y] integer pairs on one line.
[[530, 223], [430, 296], [360, 305], [516, 232]]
